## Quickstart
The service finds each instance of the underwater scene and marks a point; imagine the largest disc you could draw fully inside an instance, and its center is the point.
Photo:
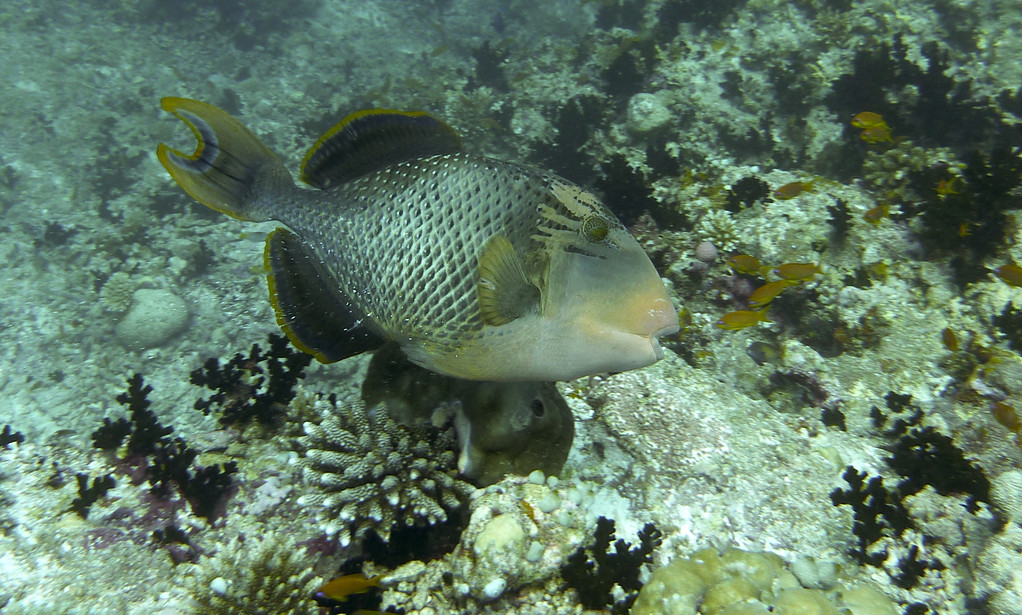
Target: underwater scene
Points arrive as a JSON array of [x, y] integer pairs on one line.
[[662, 307]]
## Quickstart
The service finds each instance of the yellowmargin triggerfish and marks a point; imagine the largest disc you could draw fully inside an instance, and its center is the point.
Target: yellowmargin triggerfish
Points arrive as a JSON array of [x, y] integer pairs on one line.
[[478, 268]]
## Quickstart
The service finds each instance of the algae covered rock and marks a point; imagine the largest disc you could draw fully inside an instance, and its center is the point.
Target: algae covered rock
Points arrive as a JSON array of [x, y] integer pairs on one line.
[[739, 582], [156, 315]]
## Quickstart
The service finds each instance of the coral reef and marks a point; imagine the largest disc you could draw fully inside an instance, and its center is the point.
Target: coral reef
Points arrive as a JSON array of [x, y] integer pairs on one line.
[[738, 581], [594, 570], [686, 115], [257, 386], [164, 461], [267, 575], [371, 474]]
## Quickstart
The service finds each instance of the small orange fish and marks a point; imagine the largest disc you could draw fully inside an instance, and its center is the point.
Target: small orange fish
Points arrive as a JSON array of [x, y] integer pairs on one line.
[[799, 272], [1006, 416], [1010, 274], [946, 187], [743, 263], [740, 319], [876, 134], [949, 339], [867, 119], [766, 293], [875, 214], [347, 584], [792, 190]]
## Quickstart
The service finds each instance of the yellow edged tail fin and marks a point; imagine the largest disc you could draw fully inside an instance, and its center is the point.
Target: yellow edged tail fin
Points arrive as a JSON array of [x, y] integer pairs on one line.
[[227, 164]]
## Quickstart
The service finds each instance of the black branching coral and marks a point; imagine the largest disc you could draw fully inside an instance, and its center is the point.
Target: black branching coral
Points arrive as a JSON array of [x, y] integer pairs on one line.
[[593, 571], [143, 430], [923, 456], [87, 496], [8, 437], [202, 486], [257, 386], [877, 513], [166, 461], [1009, 323], [970, 221]]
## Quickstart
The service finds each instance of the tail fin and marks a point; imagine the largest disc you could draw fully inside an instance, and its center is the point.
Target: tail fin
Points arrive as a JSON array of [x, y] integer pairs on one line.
[[228, 161]]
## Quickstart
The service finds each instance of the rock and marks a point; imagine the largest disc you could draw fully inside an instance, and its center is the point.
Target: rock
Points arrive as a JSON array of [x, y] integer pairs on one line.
[[155, 316], [648, 113]]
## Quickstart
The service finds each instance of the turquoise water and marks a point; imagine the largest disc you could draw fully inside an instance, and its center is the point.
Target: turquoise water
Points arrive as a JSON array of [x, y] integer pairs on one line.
[[686, 117]]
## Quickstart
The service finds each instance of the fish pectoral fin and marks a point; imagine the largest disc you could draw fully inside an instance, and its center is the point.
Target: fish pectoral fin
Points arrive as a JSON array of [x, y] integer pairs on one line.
[[316, 317], [503, 290]]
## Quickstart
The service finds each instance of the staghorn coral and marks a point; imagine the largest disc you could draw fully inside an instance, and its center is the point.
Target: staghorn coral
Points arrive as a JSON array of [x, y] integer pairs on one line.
[[252, 575], [373, 474]]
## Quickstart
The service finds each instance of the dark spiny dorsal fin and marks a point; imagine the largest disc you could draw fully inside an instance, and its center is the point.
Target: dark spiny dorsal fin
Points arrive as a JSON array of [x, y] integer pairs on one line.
[[372, 139]]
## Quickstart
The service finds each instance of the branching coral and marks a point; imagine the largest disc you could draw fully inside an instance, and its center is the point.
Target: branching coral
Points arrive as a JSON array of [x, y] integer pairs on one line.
[[165, 460], [115, 295], [373, 474], [718, 227], [87, 495], [594, 570], [8, 437], [254, 576], [256, 386]]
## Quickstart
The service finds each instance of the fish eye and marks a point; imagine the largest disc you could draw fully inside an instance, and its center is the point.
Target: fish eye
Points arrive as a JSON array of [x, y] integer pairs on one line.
[[537, 407], [595, 229]]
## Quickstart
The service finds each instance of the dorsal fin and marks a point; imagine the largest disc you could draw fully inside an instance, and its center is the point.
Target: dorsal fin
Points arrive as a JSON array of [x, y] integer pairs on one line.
[[368, 140]]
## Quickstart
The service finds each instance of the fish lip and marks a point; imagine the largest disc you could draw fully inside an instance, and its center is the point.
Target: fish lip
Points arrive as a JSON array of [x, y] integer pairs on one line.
[[666, 330], [658, 350], [654, 338]]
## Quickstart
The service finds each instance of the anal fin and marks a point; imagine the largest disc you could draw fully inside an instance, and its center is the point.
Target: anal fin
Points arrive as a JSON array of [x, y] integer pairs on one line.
[[311, 310]]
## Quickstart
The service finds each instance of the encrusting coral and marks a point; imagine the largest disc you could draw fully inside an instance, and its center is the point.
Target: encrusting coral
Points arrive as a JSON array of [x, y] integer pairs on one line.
[[254, 576], [373, 474]]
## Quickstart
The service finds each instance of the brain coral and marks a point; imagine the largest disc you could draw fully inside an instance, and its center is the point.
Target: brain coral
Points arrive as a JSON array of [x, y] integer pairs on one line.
[[372, 473]]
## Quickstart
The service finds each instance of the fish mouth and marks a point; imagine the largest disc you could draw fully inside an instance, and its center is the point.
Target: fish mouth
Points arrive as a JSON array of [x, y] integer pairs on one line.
[[668, 329], [654, 338], [658, 350]]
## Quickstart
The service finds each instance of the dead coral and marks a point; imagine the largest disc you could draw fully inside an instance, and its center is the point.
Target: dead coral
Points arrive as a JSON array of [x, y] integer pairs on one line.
[[373, 474]]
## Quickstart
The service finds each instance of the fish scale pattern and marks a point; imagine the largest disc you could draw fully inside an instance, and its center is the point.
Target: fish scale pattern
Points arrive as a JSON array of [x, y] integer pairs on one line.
[[410, 248]]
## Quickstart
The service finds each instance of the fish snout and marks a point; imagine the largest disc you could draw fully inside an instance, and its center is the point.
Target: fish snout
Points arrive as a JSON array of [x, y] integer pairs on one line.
[[663, 320]]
